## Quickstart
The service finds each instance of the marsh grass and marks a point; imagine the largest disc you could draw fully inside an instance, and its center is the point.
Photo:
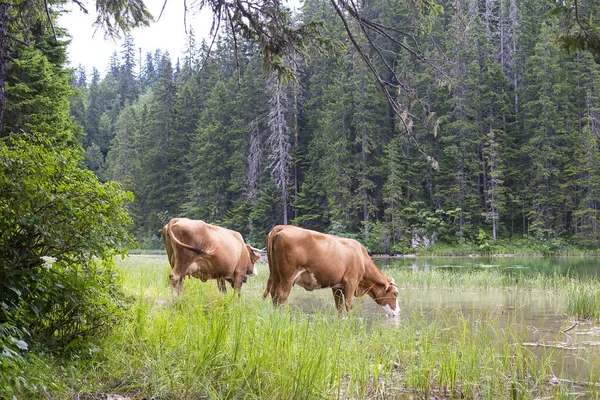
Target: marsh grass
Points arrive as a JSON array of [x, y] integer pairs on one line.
[[204, 344], [581, 294], [583, 300], [208, 345]]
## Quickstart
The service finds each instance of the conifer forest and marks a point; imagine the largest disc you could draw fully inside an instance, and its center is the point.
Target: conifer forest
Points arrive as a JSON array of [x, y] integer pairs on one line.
[[498, 134]]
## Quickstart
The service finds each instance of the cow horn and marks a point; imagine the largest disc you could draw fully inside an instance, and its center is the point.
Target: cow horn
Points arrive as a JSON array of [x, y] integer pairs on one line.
[[258, 250]]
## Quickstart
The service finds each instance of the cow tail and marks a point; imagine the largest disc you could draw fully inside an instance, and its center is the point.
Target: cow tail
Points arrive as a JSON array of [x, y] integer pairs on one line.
[[270, 255], [272, 238], [273, 280], [187, 246]]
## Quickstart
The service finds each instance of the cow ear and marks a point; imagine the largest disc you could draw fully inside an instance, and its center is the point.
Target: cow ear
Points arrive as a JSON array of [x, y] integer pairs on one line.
[[254, 256], [391, 287]]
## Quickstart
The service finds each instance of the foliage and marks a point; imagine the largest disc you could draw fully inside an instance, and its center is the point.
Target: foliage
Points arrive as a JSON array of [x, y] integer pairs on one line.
[[512, 122], [583, 300], [59, 232], [579, 26], [37, 93]]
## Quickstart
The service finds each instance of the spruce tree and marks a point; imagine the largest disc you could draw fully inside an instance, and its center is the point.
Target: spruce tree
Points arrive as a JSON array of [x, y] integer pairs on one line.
[[128, 84]]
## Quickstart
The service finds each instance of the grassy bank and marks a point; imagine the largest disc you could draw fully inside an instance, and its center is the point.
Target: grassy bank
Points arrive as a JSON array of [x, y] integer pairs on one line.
[[206, 345], [520, 246], [517, 246]]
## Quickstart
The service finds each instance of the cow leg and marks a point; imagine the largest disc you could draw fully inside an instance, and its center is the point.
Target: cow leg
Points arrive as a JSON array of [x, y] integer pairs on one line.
[[176, 284], [281, 292], [338, 297], [349, 296], [221, 285], [271, 287], [237, 282], [268, 289]]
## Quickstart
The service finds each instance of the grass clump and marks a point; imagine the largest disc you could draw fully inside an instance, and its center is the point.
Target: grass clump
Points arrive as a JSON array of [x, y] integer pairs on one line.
[[583, 300]]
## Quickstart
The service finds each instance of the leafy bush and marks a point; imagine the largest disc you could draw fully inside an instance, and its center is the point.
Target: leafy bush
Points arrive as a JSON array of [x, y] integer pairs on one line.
[[60, 230]]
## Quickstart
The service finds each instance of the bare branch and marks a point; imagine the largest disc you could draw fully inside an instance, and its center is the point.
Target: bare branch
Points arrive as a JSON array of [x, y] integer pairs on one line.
[[214, 37], [161, 10], [81, 6], [50, 20], [235, 49]]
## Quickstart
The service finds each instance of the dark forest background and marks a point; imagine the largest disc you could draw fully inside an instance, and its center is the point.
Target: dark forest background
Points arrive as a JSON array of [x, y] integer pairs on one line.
[[500, 137]]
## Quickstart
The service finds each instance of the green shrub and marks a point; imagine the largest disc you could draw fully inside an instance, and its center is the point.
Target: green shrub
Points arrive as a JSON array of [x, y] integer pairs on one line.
[[60, 230]]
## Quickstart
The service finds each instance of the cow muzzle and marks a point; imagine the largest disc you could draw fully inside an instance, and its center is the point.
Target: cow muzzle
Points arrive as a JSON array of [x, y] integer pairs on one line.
[[394, 312]]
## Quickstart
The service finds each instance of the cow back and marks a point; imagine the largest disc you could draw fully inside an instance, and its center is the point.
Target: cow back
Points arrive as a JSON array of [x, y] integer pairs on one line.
[[327, 257]]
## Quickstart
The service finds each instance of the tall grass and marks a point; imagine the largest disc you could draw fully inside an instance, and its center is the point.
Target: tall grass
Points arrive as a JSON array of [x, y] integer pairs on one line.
[[482, 279], [208, 345], [583, 299], [581, 294]]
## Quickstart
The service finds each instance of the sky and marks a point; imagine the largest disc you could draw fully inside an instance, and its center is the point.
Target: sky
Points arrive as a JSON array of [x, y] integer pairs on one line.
[[90, 49]]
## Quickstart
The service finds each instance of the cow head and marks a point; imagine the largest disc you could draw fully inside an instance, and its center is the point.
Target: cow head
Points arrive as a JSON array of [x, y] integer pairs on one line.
[[254, 256], [387, 297]]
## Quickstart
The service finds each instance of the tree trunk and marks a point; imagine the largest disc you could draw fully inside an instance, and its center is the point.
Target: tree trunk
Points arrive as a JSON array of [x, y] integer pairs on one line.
[[4, 20], [278, 140]]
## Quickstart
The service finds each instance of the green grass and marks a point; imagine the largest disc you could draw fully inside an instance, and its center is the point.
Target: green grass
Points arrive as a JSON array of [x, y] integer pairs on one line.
[[583, 300], [482, 279], [517, 246], [207, 345]]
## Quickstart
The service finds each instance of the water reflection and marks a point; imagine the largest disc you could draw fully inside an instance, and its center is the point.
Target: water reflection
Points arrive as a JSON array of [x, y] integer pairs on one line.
[[565, 266]]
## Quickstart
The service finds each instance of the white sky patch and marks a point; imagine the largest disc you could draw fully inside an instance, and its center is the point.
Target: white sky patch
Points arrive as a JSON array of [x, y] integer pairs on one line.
[[89, 47]]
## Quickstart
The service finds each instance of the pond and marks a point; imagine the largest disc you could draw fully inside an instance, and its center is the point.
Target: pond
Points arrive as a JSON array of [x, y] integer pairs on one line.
[[565, 266], [538, 314]]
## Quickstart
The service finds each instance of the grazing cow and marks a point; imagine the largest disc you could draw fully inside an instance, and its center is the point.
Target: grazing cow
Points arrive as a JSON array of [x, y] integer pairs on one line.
[[206, 251], [315, 260]]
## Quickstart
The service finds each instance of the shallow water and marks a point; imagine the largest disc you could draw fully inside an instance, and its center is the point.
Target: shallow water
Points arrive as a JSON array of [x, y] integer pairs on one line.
[[539, 315], [565, 266]]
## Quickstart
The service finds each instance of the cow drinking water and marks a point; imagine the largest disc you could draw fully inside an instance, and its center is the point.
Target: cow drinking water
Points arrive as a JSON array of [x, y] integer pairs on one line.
[[315, 260]]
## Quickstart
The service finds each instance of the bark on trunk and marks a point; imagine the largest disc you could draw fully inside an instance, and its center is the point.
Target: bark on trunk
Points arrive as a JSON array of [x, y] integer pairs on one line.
[[4, 20]]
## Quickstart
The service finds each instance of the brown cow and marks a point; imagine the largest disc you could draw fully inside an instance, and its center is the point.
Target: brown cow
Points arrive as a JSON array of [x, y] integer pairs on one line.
[[315, 260], [205, 251]]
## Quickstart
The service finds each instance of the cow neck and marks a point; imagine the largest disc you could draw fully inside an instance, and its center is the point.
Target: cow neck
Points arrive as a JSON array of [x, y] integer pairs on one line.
[[373, 276]]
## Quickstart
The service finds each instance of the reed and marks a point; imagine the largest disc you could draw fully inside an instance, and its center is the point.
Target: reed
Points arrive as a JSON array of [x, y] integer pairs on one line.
[[583, 299]]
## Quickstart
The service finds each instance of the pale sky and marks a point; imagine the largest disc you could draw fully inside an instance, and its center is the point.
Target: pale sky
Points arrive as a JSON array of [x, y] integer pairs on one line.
[[90, 49]]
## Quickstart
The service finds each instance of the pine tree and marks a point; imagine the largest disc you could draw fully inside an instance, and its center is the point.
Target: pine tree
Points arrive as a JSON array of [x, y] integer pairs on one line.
[[78, 101], [548, 123], [209, 159], [94, 111], [496, 122], [369, 118], [582, 184], [460, 162], [160, 188], [32, 87], [148, 78], [128, 85], [122, 156]]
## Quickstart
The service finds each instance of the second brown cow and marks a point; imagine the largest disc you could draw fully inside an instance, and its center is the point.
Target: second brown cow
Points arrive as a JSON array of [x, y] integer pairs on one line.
[[315, 260]]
